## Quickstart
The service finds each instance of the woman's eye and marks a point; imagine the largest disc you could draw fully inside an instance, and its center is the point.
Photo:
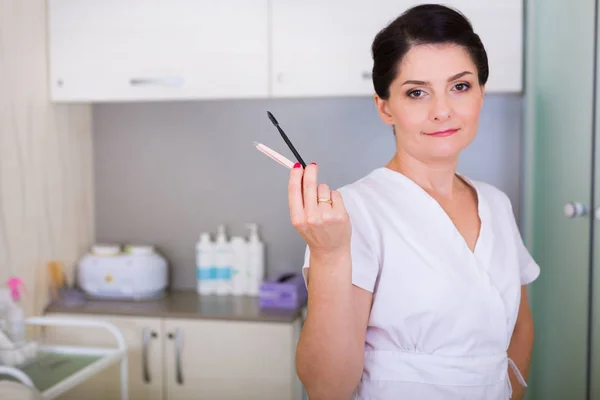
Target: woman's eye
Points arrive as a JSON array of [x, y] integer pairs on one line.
[[461, 87], [415, 94]]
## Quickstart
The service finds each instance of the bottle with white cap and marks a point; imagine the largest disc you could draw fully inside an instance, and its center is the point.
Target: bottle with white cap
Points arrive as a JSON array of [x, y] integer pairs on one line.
[[223, 263], [205, 265], [256, 261], [239, 266]]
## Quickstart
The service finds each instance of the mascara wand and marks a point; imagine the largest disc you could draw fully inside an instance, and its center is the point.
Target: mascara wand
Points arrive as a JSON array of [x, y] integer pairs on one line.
[[287, 141]]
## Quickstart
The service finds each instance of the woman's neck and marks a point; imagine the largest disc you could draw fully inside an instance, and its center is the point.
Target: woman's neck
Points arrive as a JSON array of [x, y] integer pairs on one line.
[[438, 179]]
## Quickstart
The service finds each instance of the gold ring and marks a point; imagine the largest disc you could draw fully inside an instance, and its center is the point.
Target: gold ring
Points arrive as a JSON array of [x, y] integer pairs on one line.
[[324, 200]]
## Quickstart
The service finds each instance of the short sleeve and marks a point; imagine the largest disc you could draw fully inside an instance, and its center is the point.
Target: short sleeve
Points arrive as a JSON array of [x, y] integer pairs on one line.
[[529, 269], [365, 264]]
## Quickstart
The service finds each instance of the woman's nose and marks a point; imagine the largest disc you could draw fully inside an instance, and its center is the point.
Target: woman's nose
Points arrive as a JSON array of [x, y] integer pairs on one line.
[[440, 109]]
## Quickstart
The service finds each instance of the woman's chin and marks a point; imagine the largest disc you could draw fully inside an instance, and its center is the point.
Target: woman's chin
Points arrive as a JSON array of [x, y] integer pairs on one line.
[[444, 151], [446, 147]]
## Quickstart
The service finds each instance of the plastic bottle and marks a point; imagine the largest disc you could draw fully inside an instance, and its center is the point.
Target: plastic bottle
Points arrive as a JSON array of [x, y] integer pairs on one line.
[[223, 263], [256, 261], [205, 265], [15, 316], [239, 266], [5, 300]]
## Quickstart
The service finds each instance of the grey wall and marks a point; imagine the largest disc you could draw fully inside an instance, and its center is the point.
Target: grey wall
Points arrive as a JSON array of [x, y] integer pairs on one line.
[[164, 172]]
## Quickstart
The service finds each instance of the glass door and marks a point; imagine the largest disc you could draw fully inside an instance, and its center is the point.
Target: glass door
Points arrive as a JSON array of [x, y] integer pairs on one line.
[[558, 191], [595, 253]]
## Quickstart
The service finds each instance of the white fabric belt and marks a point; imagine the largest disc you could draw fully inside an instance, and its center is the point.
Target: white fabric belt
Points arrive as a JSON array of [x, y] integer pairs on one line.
[[438, 369], [517, 374]]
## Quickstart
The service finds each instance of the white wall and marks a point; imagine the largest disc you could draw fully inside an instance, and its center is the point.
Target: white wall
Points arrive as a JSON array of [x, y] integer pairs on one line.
[[166, 171]]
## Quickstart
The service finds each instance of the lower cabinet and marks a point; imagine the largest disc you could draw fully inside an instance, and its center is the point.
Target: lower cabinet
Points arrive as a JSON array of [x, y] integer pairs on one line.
[[224, 360], [180, 359]]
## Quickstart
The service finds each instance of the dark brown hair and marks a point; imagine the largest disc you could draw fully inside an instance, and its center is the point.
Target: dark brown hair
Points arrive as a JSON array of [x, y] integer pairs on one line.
[[423, 24]]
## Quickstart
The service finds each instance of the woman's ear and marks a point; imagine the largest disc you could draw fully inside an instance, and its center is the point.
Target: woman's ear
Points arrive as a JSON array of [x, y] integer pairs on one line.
[[482, 96], [383, 109]]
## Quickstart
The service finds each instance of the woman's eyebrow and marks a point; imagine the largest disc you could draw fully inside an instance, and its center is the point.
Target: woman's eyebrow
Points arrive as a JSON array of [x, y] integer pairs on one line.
[[425, 83]]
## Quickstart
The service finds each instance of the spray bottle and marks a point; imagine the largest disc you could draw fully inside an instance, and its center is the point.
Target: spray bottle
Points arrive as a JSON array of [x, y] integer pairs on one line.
[[15, 315]]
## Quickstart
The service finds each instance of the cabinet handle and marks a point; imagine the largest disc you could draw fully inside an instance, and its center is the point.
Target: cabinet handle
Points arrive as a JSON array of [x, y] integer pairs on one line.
[[162, 81], [146, 336], [574, 209], [178, 344]]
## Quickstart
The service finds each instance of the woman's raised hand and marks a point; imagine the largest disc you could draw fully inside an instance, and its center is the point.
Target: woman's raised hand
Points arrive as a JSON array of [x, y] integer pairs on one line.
[[317, 212]]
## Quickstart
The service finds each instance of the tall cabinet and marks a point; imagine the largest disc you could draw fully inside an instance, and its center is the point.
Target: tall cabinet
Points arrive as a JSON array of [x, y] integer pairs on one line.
[[562, 193]]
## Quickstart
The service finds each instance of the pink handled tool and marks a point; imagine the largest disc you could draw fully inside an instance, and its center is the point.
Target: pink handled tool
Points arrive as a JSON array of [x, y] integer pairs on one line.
[[274, 155]]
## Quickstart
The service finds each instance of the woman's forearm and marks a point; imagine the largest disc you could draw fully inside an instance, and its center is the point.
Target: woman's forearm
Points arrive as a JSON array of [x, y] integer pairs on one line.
[[329, 356]]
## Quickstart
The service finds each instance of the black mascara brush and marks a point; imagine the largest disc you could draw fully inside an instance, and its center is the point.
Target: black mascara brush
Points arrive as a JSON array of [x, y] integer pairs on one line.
[[285, 138]]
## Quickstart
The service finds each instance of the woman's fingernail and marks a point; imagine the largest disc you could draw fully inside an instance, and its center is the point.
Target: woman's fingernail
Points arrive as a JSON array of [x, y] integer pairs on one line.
[[313, 163], [297, 165]]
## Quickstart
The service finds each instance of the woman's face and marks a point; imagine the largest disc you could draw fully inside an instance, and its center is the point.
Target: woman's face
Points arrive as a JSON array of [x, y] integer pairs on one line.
[[434, 102]]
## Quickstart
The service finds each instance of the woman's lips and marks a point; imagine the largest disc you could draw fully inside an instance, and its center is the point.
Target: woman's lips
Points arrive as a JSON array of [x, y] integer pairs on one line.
[[444, 133]]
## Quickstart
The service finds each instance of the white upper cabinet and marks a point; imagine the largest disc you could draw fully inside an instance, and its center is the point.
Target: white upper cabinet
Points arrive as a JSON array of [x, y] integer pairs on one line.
[[135, 50], [323, 47], [499, 24], [116, 50]]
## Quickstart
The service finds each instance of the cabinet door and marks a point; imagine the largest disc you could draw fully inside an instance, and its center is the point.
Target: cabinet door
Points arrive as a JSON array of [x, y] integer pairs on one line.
[[226, 360], [114, 50], [559, 124], [144, 338], [323, 48], [499, 24]]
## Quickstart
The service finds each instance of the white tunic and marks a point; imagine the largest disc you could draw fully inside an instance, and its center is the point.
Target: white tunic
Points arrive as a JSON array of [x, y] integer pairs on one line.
[[442, 315]]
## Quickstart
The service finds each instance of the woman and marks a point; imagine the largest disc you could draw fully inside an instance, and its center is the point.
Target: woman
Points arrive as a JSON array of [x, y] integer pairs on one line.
[[416, 275]]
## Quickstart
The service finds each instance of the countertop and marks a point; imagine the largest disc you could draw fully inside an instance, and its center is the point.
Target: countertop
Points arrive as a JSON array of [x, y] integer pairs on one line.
[[185, 304]]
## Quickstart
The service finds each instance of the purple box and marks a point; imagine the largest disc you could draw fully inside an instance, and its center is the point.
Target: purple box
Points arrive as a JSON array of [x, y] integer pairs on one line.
[[287, 290]]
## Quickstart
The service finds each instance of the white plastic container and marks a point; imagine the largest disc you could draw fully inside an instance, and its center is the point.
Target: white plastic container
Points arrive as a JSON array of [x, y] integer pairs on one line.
[[5, 300], [139, 250], [15, 317], [5, 342], [16, 323], [106, 250], [205, 265], [239, 266], [17, 354], [256, 261], [140, 273], [223, 255]]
